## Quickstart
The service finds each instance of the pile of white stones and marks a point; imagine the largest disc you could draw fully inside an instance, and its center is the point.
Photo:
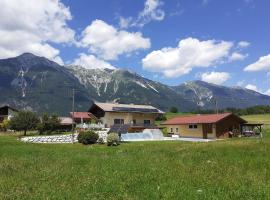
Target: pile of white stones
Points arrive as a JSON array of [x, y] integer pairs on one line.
[[58, 139], [51, 139]]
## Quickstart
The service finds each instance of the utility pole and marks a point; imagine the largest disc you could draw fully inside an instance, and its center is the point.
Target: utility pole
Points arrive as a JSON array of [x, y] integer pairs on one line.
[[216, 104], [73, 103]]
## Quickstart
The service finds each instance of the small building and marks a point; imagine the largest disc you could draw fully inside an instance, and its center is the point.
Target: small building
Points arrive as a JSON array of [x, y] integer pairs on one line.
[[125, 116], [66, 123], [7, 112], [83, 117], [205, 126]]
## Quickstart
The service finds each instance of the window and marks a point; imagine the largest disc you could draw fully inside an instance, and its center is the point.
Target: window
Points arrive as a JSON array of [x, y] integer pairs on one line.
[[176, 129], [133, 121], [146, 122], [171, 130], [118, 121], [192, 126]]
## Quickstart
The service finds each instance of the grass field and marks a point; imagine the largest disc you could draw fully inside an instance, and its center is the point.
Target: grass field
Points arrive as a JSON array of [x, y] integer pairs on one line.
[[265, 119], [170, 115], [230, 169]]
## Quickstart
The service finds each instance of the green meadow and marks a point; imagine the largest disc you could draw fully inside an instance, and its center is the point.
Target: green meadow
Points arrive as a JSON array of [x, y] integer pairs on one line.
[[228, 169]]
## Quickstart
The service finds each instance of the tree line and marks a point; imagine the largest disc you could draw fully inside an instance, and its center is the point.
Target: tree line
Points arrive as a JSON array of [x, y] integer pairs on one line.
[[27, 121], [239, 111]]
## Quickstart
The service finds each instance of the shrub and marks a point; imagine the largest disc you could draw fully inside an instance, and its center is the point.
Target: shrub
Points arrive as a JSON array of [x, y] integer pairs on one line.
[[173, 109], [95, 129], [100, 141], [4, 125], [89, 137], [161, 118], [113, 139], [165, 132]]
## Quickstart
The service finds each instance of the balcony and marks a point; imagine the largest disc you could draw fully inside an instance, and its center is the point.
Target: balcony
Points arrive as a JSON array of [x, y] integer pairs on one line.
[[90, 126]]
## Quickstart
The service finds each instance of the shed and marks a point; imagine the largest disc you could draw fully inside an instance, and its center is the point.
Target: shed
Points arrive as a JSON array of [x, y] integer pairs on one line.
[[205, 126]]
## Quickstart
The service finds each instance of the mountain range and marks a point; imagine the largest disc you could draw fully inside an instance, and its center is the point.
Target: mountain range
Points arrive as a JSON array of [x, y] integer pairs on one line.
[[36, 83]]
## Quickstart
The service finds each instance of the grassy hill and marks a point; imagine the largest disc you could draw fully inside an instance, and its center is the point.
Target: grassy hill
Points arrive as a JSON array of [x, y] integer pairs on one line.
[[229, 169]]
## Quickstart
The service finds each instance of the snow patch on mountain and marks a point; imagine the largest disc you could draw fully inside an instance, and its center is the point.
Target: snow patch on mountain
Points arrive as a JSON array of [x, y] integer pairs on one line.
[[152, 87], [203, 95], [140, 84]]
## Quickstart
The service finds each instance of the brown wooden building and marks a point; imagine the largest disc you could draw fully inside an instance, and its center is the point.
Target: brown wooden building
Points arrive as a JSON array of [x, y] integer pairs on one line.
[[205, 126]]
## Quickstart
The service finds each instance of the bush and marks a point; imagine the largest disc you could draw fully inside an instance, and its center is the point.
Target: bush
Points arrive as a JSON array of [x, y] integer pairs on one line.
[[173, 109], [89, 137], [161, 118], [100, 141], [165, 132], [4, 125], [113, 139]]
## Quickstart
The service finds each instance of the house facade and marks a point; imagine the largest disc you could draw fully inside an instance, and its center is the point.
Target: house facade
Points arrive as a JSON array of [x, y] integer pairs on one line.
[[204, 126], [111, 114], [7, 112]]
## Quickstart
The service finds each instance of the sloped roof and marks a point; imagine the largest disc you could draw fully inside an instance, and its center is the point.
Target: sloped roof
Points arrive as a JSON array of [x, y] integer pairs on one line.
[[66, 120], [115, 107], [199, 119], [7, 106], [84, 115]]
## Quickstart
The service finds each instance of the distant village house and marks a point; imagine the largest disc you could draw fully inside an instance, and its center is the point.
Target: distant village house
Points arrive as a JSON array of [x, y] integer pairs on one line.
[[83, 117], [7, 112]]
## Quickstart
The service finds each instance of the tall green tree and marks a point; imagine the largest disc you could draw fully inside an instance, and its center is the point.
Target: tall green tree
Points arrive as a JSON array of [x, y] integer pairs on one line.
[[49, 124], [24, 121]]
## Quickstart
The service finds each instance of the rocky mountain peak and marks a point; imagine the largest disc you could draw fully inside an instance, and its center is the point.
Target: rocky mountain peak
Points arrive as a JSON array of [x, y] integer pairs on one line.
[[43, 85]]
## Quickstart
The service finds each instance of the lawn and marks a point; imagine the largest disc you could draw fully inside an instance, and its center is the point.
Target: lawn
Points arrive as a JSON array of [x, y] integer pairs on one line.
[[229, 169]]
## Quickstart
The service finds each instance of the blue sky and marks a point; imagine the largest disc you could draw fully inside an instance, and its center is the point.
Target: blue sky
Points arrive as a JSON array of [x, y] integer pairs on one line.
[[223, 42]]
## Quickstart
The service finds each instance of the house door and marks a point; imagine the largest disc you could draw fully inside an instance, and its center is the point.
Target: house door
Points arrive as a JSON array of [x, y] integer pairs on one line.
[[205, 130]]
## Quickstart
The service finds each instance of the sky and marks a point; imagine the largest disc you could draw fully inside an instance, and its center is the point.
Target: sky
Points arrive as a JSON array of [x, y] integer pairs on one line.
[[170, 41]]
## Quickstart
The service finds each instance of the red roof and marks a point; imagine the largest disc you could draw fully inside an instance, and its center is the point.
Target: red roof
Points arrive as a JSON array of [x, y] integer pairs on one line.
[[198, 119], [83, 115]]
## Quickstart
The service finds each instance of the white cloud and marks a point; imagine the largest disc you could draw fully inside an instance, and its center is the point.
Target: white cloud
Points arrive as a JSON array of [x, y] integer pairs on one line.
[[108, 43], [243, 44], [215, 77], [256, 89], [252, 87], [267, 92], [125, 22], [190, 53], [28, 26], [237, 56], [150, 12], [240, 83], [92, 62], [262, 64]]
